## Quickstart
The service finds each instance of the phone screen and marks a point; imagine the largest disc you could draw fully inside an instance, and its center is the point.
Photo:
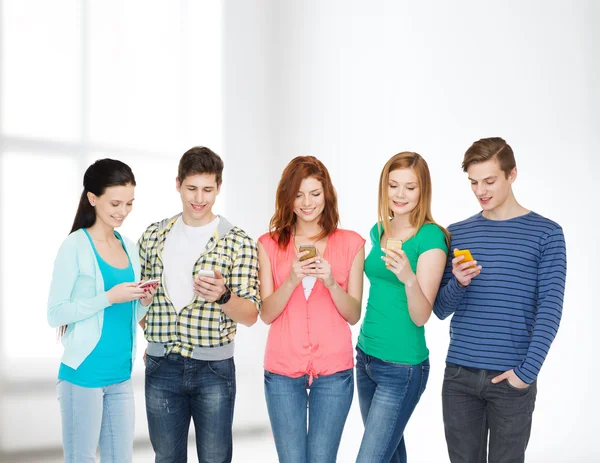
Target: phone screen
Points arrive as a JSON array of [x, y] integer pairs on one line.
[[393, 243], [151, 282], [206, 273]]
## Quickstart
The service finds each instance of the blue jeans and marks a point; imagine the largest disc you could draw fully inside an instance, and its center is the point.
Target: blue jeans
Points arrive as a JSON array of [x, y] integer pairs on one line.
[[179, 389], [307, 427], [388, 394], [99, 416]]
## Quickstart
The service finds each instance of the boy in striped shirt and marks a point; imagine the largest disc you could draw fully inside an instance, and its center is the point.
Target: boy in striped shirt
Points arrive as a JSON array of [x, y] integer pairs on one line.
[[507, 305]]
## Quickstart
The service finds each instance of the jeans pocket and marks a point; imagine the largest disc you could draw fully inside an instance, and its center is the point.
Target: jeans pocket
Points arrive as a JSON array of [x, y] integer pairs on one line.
[[222, 368], [344, 373], [515, 388], [152, 363], [452, 371]]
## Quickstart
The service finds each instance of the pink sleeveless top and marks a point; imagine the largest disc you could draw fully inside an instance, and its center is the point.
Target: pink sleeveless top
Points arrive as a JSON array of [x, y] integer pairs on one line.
[[310, 337]]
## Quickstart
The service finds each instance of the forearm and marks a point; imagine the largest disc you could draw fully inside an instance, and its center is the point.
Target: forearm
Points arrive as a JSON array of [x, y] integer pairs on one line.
[[64, 313], [419, 307], [273, 305], [240, 310], [347, 306], [552, 274], [448, 299], [544, 331]]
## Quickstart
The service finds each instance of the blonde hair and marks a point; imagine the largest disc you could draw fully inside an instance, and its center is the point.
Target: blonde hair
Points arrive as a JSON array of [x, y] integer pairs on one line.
[[421, 214]]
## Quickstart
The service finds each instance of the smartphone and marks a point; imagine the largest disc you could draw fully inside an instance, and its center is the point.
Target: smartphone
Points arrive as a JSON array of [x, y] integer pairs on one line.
[[393, 243], [148, 283], [463, 252], [205, 273], [312, 251]]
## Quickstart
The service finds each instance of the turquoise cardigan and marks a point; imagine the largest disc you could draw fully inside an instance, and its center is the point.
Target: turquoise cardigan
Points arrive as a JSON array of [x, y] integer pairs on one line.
[[77, 297]]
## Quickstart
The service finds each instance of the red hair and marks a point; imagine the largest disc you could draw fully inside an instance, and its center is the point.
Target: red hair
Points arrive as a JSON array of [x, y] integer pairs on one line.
[[282, 223]]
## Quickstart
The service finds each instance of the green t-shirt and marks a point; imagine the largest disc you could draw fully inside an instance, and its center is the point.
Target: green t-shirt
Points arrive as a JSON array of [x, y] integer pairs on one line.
[[387, 331]]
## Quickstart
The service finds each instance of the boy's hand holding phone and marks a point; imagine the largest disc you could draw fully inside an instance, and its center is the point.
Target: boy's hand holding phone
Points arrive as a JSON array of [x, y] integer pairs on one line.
[[464, 267], [209, 285]]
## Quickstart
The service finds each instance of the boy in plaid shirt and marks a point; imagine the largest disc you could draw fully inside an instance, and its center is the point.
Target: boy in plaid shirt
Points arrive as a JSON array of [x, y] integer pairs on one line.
[[191, 325]]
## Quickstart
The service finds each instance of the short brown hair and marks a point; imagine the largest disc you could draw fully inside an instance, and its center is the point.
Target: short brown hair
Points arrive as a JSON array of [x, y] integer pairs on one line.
[[489, 148], [200, 160], [282, 223]]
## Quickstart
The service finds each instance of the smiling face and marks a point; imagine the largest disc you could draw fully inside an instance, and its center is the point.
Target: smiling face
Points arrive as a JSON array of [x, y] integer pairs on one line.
[[114, 205], [198, 194], [490, 185], [310, 200], [403, 191]]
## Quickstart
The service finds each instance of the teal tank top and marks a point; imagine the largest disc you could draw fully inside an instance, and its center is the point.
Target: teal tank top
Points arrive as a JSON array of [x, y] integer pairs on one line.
[[110, 362]]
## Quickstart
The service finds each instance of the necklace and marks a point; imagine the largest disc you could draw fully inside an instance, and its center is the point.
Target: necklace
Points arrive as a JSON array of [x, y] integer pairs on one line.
[[404, 236]]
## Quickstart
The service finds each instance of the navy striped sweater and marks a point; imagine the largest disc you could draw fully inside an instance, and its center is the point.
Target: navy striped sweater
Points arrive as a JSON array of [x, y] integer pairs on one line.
[[509, 314]]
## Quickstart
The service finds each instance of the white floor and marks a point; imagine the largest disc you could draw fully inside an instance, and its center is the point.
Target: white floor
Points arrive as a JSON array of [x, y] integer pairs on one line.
[[246, 450], [255, 447]]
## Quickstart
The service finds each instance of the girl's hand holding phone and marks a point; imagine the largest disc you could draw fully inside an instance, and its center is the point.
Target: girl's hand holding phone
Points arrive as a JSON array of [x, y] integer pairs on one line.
[[322, 270], [396, 261], [124, 292], [150, 282], [301, 267], [149, 291]]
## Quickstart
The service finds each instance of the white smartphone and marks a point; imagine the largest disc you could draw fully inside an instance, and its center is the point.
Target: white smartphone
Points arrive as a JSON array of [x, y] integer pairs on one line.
[[150, 282], [205, 273]]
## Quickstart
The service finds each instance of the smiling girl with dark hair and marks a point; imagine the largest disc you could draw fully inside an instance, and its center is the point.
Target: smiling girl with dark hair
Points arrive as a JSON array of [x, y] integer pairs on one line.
[[95, 299]]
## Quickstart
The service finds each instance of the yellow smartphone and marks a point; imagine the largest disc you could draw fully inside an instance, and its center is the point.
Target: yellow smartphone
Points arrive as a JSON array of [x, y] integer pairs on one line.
[[464, 252], [312, 251], [393, 243]]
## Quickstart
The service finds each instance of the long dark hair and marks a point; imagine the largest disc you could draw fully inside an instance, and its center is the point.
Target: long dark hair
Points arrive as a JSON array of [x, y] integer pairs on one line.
[[97, 178]]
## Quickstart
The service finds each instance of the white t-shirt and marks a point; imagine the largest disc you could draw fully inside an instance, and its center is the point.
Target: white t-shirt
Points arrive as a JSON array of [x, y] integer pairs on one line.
[[308, 283], [183, 247]]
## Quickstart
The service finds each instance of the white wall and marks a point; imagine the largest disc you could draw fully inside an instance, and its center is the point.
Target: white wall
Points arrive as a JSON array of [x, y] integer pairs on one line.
[[352, 83], [355, 82]]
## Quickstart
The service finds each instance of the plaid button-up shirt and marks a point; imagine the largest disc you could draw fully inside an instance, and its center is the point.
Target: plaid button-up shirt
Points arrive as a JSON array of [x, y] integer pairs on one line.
[[199, 324]]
